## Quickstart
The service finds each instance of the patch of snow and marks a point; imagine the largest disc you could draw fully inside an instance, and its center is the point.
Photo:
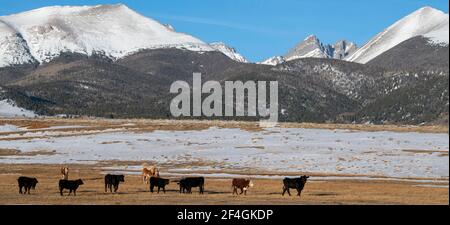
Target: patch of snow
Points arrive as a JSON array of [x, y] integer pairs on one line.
[[6, 128], [9, 109], [272, 149], [273, 61]]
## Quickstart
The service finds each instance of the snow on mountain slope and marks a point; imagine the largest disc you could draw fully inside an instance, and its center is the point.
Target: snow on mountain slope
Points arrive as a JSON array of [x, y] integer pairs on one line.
[[440, 34], [343, 49], [427, 22], [228, 51], [113, 30], [9, 109], [273, 61], [13, 49]]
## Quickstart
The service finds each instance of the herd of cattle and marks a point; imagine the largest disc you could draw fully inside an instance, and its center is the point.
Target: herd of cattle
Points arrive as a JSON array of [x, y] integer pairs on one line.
[[150, 175]]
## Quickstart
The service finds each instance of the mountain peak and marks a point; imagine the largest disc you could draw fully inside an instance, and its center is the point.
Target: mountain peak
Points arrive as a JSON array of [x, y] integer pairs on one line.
[[113, 30], [426, 21], [311, 47], [311, 37], [228, 51], [427, 10]]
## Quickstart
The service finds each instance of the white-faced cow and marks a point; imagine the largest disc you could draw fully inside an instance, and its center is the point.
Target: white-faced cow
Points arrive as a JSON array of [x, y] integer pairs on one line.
[[242, 184]]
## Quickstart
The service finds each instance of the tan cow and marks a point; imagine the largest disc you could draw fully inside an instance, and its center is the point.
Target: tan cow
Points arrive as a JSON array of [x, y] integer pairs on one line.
[[149, 171], [65, 173]]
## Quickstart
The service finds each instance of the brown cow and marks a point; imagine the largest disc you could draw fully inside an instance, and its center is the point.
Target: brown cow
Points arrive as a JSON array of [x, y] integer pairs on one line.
[[243, 184], [149, 171]]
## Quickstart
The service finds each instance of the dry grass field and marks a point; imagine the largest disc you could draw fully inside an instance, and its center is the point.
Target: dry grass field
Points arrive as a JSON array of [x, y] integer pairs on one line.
[[150, 125], [218, 191]]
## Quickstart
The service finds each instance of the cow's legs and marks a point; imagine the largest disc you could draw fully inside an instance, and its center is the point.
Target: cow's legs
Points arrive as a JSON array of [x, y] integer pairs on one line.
[[234, 190], [164, 189], [70, 191], [110, 188], [299, 192], [106, 187], [242, 191], [61, 191], [286, 189], [20, 189], [159, 188], [116, 187], [29, 188], [75, 192]]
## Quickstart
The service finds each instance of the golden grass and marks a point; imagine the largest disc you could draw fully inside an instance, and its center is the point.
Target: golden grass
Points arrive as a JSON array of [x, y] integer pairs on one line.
[[145, 125], [218, 191]]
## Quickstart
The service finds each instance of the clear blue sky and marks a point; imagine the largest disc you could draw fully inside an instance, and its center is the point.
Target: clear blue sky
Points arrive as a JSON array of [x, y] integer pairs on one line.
[[259, 29]]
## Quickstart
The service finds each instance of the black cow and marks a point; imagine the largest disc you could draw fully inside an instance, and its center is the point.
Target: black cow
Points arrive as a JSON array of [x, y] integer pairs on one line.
[[295, 183], [186, 184], [113, 180], [72, 185], [158, 182], [28, 183]]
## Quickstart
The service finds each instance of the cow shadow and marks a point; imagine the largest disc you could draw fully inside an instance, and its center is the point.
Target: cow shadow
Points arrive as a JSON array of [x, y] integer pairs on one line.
[[324, 194]]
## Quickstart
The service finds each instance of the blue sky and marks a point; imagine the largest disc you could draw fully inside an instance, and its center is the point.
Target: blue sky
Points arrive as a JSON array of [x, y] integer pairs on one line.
[[259, 29]]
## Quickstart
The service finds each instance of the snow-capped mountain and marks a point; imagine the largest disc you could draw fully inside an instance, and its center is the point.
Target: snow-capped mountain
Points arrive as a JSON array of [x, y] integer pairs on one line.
[[228, 51], [113, 30], [273, 61], [427, 22]]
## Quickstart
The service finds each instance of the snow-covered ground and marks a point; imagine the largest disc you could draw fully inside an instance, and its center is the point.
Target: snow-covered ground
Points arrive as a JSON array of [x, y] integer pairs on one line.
[[9, 109], [276, 150]]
